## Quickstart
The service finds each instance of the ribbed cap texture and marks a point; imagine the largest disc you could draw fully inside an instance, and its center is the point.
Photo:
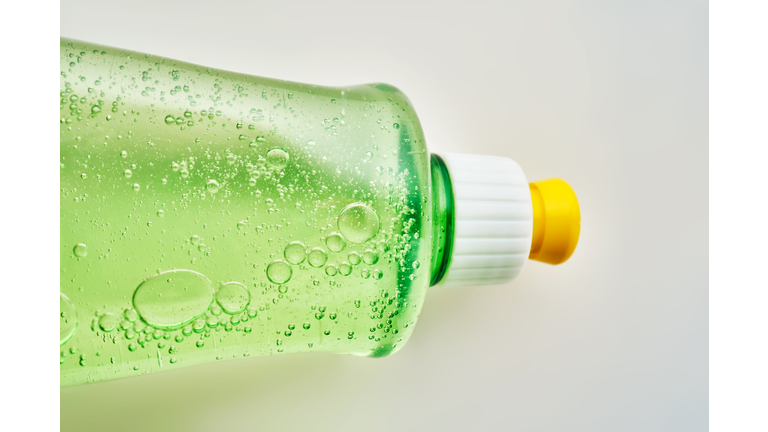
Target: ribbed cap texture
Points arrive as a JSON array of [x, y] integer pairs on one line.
[[494, 219]]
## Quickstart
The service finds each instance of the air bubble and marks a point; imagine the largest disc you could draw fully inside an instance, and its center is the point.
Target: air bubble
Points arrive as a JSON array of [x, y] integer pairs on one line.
[[317, 257], [295, 252], [370, 257], [212, 186], [233, 297], [335, 242], [80, 250], [278, 158], [67, 319], [107, 322], [279, 272], [173, 299], [358, 223], [345, 269]]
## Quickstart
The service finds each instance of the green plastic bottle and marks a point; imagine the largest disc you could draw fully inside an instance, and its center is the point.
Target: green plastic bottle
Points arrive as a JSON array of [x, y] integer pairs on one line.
[[210, 216]]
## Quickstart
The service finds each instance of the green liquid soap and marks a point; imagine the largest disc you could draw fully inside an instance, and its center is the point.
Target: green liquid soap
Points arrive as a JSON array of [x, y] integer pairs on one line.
[[209, 216]]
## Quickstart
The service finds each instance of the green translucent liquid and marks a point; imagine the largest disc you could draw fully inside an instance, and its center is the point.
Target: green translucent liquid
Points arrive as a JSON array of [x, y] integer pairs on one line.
[[210, 216]]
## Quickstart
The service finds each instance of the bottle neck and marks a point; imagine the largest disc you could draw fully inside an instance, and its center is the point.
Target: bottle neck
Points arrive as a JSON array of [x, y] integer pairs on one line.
[[443, 219]]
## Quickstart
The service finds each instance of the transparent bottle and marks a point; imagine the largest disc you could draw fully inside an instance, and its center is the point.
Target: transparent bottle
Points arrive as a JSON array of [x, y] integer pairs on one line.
[[209, 216]]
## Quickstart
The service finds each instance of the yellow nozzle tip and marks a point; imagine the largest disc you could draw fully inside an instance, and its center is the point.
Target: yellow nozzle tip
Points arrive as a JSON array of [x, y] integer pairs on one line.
[[556, 221]]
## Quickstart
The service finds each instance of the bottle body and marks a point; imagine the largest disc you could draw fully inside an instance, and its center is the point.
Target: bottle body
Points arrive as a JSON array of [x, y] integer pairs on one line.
[[208, 216]]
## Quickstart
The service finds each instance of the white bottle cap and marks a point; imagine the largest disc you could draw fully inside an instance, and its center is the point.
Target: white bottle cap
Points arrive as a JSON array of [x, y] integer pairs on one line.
[[493, 220]]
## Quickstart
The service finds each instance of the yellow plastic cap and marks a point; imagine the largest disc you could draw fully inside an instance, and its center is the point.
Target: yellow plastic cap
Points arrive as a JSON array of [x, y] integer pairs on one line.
[[556, 221]]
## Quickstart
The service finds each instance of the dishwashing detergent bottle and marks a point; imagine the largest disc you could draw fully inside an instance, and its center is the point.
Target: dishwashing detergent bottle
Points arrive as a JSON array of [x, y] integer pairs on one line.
[[209, 216]]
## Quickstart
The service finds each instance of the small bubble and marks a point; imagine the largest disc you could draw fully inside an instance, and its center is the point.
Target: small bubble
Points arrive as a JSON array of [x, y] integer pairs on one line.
[[169, 119], [278, 158], [396, 125], [132, 346], [416, 265], [233, 297], [370, 257], [80, 250], [130, 314], [365, 273], [241, 225], [310, 143], [345, 269], [127, 173], [377, 274], [212, 186], [335, 242], [136, 187], [358, 223], [279, 272], [317, 257], [354, 258], [84, 176], [95, 109], [306, 326], [160, 213], [175, 166], [107, 322], [199, 344], [195, 240], [295, 252], [123, 154], [331, 270]]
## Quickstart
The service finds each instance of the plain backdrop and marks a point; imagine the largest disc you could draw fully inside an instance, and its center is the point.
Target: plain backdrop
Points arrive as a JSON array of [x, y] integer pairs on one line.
[[611, 96]]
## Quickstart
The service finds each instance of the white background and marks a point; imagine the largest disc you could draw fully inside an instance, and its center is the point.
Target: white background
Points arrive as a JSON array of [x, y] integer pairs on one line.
[[610, 96]]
